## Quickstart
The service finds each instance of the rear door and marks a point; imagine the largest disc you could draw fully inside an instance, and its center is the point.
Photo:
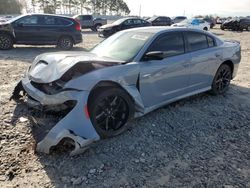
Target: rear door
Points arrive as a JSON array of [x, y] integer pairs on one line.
[[163, 80], [204, 59], [53, 27]]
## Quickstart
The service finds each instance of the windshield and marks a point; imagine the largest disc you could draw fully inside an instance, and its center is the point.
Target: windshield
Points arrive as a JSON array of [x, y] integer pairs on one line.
[[122, 46]]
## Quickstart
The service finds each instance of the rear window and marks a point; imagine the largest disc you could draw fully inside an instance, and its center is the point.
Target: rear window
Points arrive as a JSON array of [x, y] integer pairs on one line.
[[196, 41]]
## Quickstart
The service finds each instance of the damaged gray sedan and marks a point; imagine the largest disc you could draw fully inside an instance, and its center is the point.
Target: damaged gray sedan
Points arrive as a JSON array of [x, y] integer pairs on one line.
[[126, 76]]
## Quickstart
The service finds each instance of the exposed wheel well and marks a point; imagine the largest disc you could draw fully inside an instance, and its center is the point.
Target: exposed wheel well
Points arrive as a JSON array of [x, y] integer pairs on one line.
[[105, 85], [230, 64], [7, 33]]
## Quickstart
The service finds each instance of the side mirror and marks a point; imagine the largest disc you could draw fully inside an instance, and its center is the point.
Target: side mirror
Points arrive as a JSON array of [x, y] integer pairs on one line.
[[154, 55]]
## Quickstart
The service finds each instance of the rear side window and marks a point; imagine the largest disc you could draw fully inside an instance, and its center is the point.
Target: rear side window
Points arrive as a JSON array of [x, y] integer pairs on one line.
[[129, 22], [49, 20], [63, 22], [171, 44], [137, 21], [196, 41], [210, 41]]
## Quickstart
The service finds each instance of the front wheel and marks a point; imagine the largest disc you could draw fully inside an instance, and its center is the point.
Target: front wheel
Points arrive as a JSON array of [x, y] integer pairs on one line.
[[6, 42], [205, 28], [65, 43], [222, 80], [110, 109]]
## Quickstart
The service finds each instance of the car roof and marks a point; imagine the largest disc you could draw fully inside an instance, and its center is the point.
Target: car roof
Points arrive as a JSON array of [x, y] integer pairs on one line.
[[56, 15], [154, 29]]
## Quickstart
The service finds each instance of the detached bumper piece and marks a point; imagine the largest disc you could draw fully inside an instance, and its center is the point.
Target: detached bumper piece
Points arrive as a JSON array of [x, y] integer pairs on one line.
[[76, 125]]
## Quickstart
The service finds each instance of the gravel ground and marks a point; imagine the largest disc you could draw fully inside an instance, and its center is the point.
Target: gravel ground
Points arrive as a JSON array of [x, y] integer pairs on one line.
[[202, 141]]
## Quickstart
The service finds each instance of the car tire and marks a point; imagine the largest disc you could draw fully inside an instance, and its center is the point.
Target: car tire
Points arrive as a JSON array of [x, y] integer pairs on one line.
[[6, 42], [97, 26], [65, 43], [222, 80], [205, 29], [110, 109]]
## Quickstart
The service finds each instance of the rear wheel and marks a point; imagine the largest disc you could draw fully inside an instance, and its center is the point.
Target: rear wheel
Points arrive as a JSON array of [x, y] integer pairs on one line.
[[205, 28], [109, 110], [222, 80], [6, 42], [65, 43]]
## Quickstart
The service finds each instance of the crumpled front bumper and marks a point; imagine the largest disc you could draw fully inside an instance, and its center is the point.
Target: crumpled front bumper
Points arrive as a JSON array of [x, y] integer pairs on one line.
[[76, 125]]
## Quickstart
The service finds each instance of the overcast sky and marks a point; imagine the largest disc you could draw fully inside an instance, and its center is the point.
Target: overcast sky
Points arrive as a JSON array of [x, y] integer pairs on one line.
[[190, 7]]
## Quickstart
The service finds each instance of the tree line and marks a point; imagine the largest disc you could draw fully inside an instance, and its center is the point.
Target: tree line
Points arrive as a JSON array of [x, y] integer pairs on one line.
[[99, 7], [102, 7], [10, 7]]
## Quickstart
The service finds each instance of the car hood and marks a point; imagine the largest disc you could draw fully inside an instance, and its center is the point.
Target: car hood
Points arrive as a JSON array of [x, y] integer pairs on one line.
[[50, 67]]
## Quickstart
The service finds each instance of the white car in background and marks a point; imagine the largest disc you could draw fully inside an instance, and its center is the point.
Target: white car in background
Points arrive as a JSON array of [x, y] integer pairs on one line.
[[193, 23]]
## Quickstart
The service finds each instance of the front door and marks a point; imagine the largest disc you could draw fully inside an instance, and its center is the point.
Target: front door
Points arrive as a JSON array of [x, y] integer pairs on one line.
[[163, 80], [27, 30]]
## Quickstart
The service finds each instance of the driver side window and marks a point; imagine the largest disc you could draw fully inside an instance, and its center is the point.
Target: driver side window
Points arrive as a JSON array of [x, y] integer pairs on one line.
[[29, 20], [171, 44], [128, 22]]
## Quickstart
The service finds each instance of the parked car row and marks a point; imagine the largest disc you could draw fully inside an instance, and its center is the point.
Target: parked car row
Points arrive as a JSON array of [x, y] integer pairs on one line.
[[127, 23], [236, 24], [40, 29], [64, 32]]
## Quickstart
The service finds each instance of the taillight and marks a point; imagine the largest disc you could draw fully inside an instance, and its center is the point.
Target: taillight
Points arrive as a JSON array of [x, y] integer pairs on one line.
[[78, 25]]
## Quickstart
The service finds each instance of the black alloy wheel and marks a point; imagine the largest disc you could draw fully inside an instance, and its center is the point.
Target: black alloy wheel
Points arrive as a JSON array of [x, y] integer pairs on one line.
[[222, 80], [110, 111], [65, 43], [6, 42]]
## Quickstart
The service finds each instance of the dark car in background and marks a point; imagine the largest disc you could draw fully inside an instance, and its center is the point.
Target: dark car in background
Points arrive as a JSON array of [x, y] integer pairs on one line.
[[40, 29], [230, 24], [237, 24], [89, 22], [122, 24], [211, 21], [178, 19], [160, 21], [244, 24]]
